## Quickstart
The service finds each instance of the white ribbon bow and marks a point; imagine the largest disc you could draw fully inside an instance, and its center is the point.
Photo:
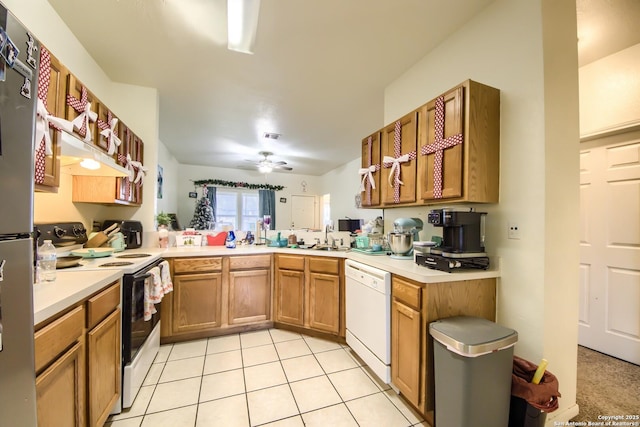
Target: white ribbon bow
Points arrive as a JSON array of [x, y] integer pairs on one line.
[[85, 118], [395, 167], [142, 171], [129, 166], [367, 173], [113, 141], [43, 120]]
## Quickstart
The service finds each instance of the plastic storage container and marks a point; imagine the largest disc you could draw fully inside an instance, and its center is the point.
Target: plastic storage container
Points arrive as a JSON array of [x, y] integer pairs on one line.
[[47, 258], [473, 360]]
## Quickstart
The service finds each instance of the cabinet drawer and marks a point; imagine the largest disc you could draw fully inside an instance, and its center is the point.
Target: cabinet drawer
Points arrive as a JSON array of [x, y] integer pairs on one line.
[[57, 336], [99, 306], [291, 262], [324, 265], [244, 262], [406, 292], [196, 265]]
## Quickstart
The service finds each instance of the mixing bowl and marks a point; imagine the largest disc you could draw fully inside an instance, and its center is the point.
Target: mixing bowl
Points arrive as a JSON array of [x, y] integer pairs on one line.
[[400, 243]]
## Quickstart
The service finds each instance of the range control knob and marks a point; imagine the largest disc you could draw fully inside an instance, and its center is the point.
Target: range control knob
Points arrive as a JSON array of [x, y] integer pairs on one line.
[[59, 232], [79, 231]]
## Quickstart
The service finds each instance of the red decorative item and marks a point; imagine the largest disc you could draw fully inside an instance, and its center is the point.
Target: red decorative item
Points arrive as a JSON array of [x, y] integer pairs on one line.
[[439, 145], [44, 77]]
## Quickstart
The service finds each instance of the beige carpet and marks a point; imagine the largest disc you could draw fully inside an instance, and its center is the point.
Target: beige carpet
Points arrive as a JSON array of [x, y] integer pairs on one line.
[[606, 386]]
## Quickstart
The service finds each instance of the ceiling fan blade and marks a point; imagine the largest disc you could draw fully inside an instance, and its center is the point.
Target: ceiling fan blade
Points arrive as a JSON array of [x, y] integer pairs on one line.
[[279, 163], [282, 167]]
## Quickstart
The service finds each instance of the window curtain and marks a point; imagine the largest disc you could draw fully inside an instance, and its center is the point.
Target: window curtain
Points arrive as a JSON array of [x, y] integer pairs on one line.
[[211, 195], [267, 205]]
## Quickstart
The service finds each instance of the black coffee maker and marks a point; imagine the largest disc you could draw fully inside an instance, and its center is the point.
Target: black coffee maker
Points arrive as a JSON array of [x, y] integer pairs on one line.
[[462, 240]]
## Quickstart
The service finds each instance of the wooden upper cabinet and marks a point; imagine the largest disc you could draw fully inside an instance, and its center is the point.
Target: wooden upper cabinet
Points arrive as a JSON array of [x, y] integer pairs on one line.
[[127, 190], [105, 118], [441, 136], [77, 99], [52, 91], [398, 150], [371, 161], [459, 146]]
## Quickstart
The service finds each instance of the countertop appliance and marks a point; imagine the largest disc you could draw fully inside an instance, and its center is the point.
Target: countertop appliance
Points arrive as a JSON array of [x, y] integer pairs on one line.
[[462, 241], [405, 232], [18, 94], [368, 315], [350, 225], [131, 230]]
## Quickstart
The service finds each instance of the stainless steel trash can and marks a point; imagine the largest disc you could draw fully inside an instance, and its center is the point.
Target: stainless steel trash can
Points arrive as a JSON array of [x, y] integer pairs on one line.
[[473, 360]]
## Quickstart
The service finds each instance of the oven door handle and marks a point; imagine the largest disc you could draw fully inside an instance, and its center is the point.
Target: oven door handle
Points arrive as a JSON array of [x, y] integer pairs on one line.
[[141, 276]]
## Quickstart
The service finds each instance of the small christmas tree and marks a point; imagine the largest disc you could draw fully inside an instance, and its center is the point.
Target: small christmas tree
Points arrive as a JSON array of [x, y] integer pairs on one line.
[[203, 215]]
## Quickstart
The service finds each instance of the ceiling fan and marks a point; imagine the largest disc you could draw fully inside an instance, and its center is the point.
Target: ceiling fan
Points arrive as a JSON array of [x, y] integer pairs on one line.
[[266, 165]]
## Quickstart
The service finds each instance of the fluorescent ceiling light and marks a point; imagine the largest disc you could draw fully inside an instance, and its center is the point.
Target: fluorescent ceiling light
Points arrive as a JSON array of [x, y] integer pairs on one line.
[[242, 23]]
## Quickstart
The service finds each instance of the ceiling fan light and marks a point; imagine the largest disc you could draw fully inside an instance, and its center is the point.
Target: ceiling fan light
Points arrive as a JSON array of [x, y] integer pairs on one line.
[[265, 168], [242, 24]]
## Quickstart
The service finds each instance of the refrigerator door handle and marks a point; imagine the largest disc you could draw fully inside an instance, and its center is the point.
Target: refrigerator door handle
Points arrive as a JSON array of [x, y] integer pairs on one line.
[[2, 270]]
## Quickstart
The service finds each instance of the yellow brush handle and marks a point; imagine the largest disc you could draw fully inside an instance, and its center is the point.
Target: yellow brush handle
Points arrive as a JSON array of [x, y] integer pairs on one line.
[[539, 372]]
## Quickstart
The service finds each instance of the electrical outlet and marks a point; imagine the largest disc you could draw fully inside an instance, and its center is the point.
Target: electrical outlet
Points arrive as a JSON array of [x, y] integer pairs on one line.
[[514, 230]]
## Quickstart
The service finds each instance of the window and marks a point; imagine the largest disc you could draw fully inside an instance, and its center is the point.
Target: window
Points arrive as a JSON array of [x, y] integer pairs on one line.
[[237, 209]]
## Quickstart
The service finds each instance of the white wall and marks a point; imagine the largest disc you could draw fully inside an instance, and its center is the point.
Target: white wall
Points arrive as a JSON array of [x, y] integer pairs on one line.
[[527, 50], [292, 183], [609, 92], [343, 184], [169, 201]]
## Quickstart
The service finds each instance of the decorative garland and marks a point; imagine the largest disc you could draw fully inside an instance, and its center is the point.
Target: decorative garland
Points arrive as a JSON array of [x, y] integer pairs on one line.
[[238, 184]]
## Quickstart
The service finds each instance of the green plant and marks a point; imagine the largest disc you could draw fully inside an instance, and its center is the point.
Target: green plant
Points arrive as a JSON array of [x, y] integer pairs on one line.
[[163, 218]]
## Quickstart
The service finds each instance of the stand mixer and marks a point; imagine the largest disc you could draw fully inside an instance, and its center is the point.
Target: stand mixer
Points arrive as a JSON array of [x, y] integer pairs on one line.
[[405, 232]]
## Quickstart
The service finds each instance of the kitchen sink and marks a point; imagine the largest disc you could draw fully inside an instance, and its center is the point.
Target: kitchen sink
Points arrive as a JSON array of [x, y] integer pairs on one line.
[[330, 248]]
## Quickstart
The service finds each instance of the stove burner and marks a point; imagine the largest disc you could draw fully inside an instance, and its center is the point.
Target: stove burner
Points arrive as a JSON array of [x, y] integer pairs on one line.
[[133, 256], [116, 264]]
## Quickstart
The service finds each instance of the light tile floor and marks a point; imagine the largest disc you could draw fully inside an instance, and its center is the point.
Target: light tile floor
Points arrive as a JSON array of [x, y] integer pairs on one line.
[[265, 378]]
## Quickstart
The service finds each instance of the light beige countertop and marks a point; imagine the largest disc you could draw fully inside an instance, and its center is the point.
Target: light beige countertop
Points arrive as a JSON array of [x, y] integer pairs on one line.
[[49, 298], [401, 267], [70, 287]]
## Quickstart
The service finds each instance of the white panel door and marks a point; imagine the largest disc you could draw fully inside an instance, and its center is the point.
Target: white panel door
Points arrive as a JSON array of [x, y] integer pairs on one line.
[[303, 212], [609, 313]]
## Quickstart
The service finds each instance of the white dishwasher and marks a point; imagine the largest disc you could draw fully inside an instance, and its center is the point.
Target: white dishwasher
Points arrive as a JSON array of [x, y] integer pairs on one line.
[[368, 306]]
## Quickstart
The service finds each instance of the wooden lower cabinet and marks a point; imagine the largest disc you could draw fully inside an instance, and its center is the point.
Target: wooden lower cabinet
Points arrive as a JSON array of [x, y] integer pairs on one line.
[[197, 302], [414, 306], [60, 391], [104, 372], [249, 296], [324, 302], [290, 297], [309, 293], [405, 350], [217, 295], [78, 362]]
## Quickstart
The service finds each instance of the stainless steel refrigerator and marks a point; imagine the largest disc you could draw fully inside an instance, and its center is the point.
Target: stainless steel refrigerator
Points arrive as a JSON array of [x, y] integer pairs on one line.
[[18, 93]]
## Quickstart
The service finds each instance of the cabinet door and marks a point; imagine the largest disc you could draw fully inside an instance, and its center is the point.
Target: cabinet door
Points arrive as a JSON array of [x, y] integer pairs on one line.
[[290, 297], [52, 91], [399, 142], [197, 302], [442, 146], [405, 350], [249, 296], [78, 97], [60, 391], [370, 196], [104, 373], [324, 302]]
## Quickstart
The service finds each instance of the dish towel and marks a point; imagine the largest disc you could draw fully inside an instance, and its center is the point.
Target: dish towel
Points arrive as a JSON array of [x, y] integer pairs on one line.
[[152, 293], [165, 277], [156, 287]]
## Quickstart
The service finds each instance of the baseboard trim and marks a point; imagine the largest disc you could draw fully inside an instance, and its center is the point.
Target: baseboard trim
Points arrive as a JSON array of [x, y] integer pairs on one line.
[[560, 418]]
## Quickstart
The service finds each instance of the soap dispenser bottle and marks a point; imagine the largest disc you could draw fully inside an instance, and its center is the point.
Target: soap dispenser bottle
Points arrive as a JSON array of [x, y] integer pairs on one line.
[[230, 243]]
